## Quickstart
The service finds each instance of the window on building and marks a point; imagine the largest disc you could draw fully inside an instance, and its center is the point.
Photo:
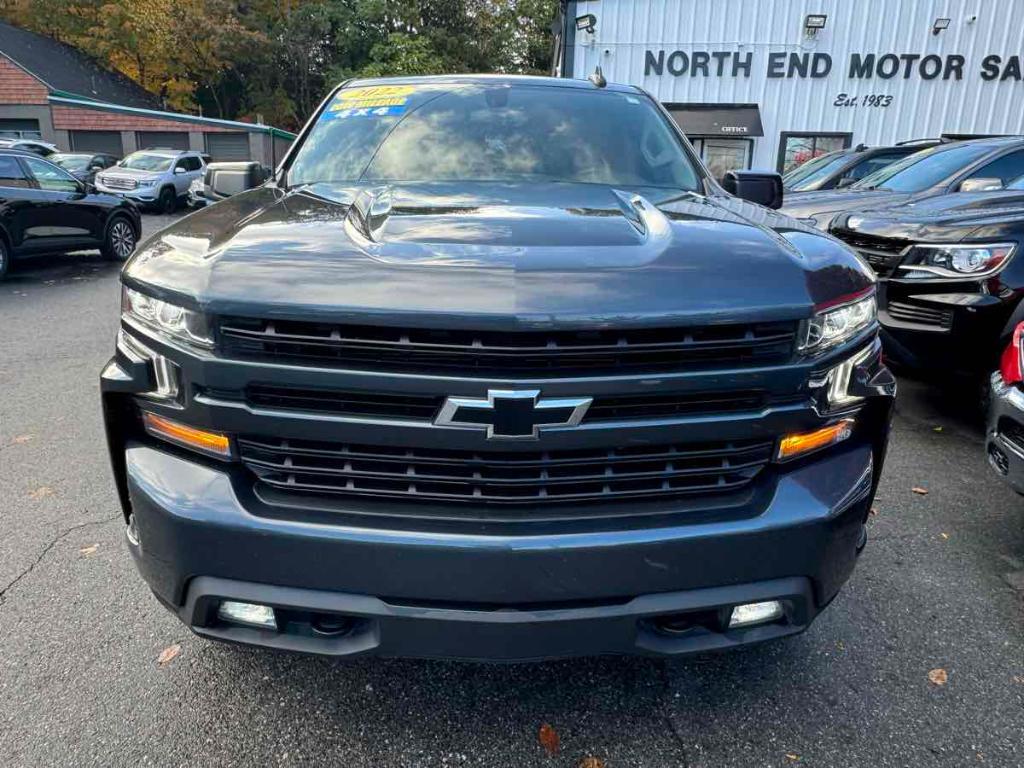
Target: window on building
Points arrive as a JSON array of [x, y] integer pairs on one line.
[[1006, 168], [797, 148], [723, 155], [50, 177], [11, 173]]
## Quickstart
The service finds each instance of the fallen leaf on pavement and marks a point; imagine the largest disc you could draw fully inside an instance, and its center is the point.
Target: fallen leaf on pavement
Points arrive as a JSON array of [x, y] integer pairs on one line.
[[548, 738], [919, 490], [1018, 679], [791, 757], [591, 762], [938, 676], [18, 439], [936, 429], [168, 654], [944, 535], [40, 493], [874, 510], [88, 550]]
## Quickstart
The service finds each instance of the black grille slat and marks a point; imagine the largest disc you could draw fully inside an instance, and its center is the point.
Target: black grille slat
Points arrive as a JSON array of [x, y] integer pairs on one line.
[[425, 407], [539, 477], [881, 253], [543, 352], [922, 315]]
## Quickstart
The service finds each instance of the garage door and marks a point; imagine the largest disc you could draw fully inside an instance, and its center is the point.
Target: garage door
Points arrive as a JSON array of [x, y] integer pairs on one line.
[[227, 146], [162, 139], [107, 142]]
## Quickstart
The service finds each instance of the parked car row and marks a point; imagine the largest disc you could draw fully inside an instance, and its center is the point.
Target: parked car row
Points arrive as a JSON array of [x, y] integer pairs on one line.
[[941, 228], [72, 201]]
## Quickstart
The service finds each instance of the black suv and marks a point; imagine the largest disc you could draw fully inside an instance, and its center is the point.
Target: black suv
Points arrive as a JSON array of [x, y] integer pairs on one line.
[[494, 369], [950, 277], [45, 210]]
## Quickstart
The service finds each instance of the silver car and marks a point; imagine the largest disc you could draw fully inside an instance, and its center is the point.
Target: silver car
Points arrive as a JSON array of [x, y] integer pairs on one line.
[[153, 178]]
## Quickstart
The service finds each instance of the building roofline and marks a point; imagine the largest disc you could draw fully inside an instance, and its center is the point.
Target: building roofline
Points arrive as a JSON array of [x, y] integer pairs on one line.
[[84, 102], [27, 71]]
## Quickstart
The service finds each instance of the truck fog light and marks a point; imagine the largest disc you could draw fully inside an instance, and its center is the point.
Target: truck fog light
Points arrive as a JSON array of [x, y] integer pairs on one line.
[[755, 613], [252, 614], [800, 443]]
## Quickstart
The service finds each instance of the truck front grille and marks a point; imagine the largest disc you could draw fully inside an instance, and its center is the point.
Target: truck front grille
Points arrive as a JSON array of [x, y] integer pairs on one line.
[[881, 254], [419, 407], [504, 478], [519, 353], [120, 182]]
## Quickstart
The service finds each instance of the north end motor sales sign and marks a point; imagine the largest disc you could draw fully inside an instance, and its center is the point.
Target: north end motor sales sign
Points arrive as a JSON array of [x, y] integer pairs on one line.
[[860, 66]]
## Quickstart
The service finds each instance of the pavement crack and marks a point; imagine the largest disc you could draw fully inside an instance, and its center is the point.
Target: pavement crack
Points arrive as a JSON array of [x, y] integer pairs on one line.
[[46, 550], [666, 715]]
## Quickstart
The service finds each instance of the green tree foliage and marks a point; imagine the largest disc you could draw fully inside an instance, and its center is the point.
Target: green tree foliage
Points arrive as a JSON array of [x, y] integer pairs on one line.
[[275, 59]]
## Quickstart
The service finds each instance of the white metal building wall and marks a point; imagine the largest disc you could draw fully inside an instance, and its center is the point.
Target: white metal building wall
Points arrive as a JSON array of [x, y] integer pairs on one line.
[[919, 108]]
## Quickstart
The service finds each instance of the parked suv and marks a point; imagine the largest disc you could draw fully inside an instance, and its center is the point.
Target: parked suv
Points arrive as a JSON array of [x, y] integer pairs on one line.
[[950, 277], [494, 369], [45, 210], [154, 178]]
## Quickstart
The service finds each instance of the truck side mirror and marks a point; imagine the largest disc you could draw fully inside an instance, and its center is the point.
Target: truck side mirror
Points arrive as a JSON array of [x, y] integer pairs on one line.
[[761, 187]]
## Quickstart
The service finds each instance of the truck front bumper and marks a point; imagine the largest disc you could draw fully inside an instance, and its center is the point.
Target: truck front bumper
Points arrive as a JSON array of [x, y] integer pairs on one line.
[[198, 539]]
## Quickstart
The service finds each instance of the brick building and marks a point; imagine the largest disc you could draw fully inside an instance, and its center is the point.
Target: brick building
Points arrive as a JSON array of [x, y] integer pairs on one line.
[[52, 91]]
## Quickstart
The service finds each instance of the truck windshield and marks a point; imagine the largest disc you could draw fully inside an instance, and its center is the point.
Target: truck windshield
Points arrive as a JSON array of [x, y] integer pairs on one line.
[[499, 132], [924, 169]]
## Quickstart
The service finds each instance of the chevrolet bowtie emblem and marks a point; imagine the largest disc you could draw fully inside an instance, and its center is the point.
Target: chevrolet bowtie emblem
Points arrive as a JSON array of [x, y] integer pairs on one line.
[[512, 414]]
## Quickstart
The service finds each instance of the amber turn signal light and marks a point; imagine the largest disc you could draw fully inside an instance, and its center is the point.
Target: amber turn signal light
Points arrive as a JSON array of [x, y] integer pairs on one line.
[[800, 443], [213, 443]]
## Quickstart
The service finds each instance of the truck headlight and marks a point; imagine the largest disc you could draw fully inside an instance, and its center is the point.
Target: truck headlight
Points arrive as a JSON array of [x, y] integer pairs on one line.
[[166, 318], [835, 325], [955, 261]]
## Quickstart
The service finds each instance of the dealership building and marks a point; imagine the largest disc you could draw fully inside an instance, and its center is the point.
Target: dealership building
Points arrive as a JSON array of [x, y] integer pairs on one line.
[[768, 84], [53, 92]]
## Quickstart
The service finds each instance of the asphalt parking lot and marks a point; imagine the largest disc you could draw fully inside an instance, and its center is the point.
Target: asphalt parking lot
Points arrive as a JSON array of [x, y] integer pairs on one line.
[[939, 587]]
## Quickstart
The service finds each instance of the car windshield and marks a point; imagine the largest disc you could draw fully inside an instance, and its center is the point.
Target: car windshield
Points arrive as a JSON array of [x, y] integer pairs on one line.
[[821, 170], [71, 162], [493, 132], [144, 161], [923, 169]]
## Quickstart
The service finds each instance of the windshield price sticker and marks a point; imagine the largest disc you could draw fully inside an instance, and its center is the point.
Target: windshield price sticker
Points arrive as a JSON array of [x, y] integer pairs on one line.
[[372, 101]]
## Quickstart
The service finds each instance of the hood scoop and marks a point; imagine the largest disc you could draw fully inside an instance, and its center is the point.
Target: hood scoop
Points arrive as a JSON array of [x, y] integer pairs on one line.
[[368, 214], [619, 229]]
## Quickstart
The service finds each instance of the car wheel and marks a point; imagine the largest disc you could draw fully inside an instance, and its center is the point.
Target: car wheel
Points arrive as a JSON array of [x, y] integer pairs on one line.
[[120, 241], [168, 200], [5, 258]]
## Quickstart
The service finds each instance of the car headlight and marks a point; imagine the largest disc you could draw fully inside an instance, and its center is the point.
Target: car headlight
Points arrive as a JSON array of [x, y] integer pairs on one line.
[[146, 182], [835, 325], [166, 318], [955, 261]]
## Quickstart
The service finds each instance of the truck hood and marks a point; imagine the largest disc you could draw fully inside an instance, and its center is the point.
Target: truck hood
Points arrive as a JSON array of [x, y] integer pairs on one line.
[[494, 253], [947, 218], [822, 206]]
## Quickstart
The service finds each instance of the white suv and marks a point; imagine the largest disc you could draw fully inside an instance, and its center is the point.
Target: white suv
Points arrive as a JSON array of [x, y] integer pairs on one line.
[[154, 178]]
